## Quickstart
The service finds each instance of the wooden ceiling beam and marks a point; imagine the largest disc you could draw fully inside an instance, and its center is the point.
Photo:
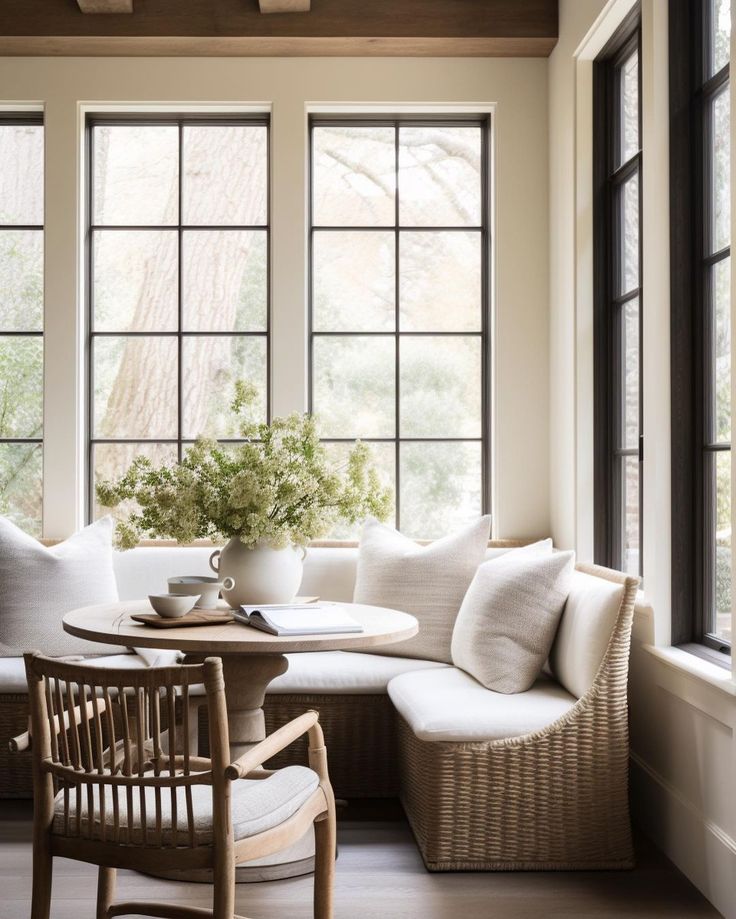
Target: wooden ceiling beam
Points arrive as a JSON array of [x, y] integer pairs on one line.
[[106, 6], [284, 6], [238, 27]]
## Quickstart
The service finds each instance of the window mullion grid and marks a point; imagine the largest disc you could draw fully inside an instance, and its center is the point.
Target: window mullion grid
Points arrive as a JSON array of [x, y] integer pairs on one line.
[[10, 120], [619, 174], [180, 303], [179, 441], [711, 257], [397, 336]]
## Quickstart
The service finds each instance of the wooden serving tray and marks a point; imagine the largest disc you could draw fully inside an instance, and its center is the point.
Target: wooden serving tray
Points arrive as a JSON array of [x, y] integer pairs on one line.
[[195, 617]]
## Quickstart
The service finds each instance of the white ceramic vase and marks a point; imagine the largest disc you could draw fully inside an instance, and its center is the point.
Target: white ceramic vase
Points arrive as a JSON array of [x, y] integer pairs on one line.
[[260, 574]]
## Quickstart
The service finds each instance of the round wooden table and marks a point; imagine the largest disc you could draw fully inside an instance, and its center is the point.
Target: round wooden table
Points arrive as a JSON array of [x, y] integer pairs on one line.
[[250, 659]]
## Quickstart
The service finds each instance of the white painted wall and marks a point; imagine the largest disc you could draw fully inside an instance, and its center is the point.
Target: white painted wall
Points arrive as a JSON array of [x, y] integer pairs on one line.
[[683, 710], [516, 89]]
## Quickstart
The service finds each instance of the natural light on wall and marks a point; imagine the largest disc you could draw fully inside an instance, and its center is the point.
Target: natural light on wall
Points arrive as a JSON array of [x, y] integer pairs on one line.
[[21, 319]]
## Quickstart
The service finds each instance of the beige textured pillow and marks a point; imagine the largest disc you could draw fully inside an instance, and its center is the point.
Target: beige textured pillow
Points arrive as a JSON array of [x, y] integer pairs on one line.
[[509, 617], [39, 585], [427, 581]]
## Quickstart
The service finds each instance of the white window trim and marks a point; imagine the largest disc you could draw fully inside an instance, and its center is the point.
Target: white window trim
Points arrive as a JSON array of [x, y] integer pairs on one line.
[[65, 434]]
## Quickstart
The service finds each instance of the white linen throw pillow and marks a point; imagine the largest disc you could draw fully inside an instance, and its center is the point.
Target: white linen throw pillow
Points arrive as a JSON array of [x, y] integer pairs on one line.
[[39, 585], [509, 617], [427, 581]]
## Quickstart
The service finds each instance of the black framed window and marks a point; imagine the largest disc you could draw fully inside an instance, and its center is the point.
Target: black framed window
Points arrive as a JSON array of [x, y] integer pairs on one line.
[[701, 320], [399, 306], [618, 303], [21, 318], [178, 285]]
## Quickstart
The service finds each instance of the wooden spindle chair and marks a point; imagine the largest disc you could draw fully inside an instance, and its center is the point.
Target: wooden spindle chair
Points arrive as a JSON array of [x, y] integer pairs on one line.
[[111, 788]]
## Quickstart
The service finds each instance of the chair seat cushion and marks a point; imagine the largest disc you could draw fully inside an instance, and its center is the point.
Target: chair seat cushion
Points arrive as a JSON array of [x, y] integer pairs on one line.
[[257, 805], [449, 705], [13, 669]]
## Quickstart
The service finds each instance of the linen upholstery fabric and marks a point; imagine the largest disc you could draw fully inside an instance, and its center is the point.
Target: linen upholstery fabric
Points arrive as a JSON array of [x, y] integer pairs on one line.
[[427, 581], [257, 806], [38, 585], [591, 612], [449, 705], [509, 617], [339, 673], [13, 669]]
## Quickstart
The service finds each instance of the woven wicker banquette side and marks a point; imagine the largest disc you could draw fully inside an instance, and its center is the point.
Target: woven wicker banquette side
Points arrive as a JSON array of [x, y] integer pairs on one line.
[[554, 799]]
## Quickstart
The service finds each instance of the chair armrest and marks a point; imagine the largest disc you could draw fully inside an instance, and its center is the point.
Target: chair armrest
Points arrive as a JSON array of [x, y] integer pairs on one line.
[[274, 743], [20, 743], [23, 741]]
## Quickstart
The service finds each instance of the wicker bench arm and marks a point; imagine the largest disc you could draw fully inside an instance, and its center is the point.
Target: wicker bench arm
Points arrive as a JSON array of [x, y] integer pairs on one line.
[[274, 743]]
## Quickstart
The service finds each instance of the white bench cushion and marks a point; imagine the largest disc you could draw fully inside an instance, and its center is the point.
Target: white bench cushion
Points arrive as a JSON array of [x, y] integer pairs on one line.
[[257, 806], [590, 615], [13, 669], [344, 672], [449, 705]]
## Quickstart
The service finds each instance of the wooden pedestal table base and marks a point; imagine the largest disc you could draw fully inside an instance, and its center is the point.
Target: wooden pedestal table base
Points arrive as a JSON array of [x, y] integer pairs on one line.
[[246, 682], [251, 660]]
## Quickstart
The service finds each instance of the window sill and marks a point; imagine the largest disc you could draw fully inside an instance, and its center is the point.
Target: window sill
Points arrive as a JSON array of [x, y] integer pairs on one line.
[[695, 665]]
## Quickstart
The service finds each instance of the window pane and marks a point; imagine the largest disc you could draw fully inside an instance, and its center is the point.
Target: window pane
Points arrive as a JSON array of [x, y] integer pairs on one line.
[[135, 387], [629, 101], [21, 467], [21, 280], [21, 174], [136, 175], [353, 386], [628, 205], [441, 279], [721, 293], [354, 176], [136, 280], [631, 372], [440, 487], [439, 176], [721, 170], [720, 22], [225, 175], [110, 461], [630, 514], [225, 280], [210, 369], [354, 286], [440, 386], [21, 386], [721, 627], [383, 459]]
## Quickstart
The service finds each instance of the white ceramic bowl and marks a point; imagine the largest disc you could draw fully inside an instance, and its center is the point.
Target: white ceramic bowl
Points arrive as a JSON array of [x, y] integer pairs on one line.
[[208, 589], [172, 606]]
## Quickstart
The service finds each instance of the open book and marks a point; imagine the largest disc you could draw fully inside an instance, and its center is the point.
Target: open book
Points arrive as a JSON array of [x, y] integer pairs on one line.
[[298, 619]]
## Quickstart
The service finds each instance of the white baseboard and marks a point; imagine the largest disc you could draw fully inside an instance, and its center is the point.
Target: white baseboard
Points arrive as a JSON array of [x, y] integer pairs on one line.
[[701, 849]]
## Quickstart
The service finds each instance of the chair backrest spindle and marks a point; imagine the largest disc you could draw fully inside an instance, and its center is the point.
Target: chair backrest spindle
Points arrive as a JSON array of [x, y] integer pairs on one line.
[[106, 731]]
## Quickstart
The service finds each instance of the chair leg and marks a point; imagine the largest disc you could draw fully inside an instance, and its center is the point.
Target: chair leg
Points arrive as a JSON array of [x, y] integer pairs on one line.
[[223, 900], [43, 864], [106, 879], [325, 837]]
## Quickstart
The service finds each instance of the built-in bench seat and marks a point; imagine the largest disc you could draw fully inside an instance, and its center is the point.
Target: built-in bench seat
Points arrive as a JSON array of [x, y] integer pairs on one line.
[[488, 781], [451, 706]]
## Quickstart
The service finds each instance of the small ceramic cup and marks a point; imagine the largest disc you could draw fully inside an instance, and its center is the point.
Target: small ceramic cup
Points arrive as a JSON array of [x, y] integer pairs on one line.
[[172, 606], [206, 589]]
